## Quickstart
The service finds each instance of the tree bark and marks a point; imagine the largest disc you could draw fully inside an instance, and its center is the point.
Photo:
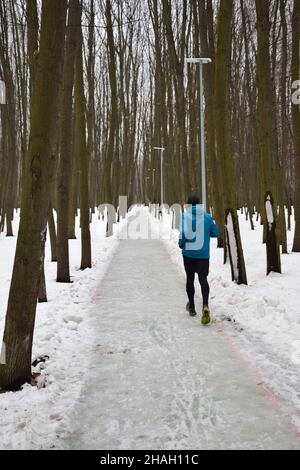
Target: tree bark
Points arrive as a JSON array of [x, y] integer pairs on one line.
[[267, 130], [39, 169], [64, 169], [114, 105], [223, 136], [82, 155], [296, 121]]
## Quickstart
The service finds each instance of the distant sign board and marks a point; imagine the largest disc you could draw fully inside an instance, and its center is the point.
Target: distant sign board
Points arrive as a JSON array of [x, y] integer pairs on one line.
[[2, 92]]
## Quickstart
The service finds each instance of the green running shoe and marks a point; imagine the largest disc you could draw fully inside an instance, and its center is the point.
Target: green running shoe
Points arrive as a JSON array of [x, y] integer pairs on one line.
[[205, 316]]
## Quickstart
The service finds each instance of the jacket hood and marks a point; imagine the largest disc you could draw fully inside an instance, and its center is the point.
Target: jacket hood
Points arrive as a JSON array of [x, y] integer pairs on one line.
[[195, 210]]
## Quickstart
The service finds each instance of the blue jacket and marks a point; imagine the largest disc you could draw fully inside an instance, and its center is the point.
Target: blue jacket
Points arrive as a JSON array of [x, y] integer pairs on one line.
[[196, 230]]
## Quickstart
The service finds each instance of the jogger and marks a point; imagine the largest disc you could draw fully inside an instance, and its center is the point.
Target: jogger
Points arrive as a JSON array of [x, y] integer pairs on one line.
[[196, 230]]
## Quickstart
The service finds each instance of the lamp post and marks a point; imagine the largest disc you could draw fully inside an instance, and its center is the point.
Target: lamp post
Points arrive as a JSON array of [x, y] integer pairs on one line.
[[201, 61], [162, 149]]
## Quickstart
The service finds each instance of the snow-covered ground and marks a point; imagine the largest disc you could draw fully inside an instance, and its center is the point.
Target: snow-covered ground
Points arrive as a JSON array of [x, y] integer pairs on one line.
[[160, 380], [262, 319], [29, 418]]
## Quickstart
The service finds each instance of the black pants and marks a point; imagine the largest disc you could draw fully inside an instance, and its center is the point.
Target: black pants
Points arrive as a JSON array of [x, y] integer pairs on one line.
[[201, 267]]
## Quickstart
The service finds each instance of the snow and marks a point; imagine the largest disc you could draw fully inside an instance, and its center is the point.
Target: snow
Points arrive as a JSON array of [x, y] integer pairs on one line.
[[260, 322], [269, 212], [29, 418], [232, 245]]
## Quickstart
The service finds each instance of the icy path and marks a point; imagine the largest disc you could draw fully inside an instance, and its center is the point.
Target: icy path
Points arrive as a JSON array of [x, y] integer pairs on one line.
[[158, 380]]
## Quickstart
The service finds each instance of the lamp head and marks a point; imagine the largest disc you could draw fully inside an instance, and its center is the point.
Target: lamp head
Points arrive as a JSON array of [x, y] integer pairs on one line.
[[198, 60]]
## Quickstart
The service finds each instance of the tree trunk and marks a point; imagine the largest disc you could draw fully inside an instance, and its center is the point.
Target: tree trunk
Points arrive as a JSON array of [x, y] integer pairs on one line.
[[74, 177], [223, 135], [42, 292], [81, 155], [267, 131], [39, 168], [296, 122], [32, 42], [114, 105], [64, 169]]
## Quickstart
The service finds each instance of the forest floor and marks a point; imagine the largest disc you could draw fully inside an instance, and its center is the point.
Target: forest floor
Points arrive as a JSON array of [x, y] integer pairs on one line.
[[129, 369], [29, 419]]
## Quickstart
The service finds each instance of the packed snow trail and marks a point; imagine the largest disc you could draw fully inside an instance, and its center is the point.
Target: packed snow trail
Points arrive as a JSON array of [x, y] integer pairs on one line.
[[158, 379]]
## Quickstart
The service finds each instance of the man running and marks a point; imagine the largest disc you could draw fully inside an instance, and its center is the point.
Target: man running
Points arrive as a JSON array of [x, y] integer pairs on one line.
[[196, 230]]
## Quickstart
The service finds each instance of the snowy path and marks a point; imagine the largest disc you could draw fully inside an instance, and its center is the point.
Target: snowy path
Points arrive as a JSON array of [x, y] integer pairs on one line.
[[158, 380]]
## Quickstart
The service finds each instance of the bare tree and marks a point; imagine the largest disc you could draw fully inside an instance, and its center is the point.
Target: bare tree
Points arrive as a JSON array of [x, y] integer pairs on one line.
[[40, 165]]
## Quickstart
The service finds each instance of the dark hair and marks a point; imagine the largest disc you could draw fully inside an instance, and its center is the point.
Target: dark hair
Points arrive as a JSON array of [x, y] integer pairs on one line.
[[193, 201]]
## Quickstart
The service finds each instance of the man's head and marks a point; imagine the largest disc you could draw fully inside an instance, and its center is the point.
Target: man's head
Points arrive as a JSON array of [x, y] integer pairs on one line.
[[193, 201]]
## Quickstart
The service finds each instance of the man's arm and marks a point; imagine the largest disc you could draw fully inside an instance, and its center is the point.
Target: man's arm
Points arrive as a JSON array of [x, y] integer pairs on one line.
[[182, 239], [214, 231]]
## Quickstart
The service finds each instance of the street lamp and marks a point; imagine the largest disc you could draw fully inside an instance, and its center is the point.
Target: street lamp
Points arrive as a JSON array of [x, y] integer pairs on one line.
[[162, 149], [201, 61]]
